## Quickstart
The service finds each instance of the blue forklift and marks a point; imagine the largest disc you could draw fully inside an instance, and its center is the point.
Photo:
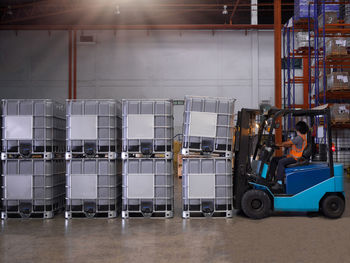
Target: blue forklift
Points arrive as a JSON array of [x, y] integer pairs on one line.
[[313, 184]]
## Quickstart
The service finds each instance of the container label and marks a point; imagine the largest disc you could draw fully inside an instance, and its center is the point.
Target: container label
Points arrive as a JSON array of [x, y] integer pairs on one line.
[[140, 186], [18, 127], [19, 187], [83, 186], [343, 78], [83, 127], [140, 126], [340, 42], [343, 110], [201, 186], [203, 124]]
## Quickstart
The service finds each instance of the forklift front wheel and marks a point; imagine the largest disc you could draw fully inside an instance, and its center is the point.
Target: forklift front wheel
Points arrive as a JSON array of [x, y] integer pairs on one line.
[[333, 206], [256, 204]]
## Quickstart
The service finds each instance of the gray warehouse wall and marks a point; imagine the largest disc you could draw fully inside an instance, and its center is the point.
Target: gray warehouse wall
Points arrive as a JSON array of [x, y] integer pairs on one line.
[[140, 64]]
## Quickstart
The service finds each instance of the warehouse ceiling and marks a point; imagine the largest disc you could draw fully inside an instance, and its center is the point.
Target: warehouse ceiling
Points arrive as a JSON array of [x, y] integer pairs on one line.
[[136, 12]]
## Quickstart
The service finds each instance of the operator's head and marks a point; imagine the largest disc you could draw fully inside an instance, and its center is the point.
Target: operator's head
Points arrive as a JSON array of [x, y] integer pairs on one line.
[[302, 127]]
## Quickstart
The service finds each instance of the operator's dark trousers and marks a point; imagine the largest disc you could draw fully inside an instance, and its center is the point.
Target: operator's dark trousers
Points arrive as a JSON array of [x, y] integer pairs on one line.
[[280, 163]]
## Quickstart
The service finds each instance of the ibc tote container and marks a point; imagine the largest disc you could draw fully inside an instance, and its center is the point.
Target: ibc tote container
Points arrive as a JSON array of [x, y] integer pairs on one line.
[[32, 187], [208, 125], [33, 143], [207, 187], [32, 128], [93, 178], [93, 128], [93, 187], [148, 187], [147, 127]]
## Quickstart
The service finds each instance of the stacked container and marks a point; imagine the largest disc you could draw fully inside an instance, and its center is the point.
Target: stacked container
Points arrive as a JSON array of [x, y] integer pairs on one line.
[[207, 157], [93, 163], [33, 143], [148, 183]]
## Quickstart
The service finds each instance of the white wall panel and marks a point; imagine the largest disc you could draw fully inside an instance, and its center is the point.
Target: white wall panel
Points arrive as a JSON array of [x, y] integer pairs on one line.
[[235, 51], [266, 66], [48, 55], [33, 64], [141, 64], [86, 71], [14, 57]]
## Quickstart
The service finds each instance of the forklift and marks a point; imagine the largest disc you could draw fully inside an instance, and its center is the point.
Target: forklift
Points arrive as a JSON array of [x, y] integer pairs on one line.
[[313, 184]]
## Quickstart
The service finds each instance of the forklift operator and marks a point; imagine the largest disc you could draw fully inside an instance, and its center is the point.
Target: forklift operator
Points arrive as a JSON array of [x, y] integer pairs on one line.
[[297, 145]]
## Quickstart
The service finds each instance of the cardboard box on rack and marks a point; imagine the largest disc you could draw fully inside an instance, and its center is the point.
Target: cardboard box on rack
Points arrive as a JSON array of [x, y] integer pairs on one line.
[[340, 112], [336, 47], [338, 81]]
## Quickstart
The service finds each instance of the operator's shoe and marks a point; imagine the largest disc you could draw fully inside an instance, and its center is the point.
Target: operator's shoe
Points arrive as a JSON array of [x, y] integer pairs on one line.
[[277, 188]]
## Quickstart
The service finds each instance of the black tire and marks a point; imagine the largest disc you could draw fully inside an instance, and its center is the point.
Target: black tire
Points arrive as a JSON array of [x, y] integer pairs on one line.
[[333, 206], [256, 204]]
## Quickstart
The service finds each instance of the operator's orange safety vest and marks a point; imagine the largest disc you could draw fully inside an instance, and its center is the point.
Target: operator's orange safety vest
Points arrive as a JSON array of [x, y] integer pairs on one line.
[[298, 153]]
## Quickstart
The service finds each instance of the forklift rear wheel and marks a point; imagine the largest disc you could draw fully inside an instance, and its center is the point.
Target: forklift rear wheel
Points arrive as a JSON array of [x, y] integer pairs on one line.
[[333, 206], [256, 204]]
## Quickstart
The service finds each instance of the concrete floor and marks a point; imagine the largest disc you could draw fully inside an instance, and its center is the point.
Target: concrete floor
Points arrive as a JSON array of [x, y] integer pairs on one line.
[[281, 238]]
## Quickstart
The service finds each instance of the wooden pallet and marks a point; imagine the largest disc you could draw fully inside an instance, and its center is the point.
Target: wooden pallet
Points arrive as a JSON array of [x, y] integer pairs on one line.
[[303, 21], [302, 50], [337, 56], [179, 165], [340, 122], [339, 89], [340, 125]]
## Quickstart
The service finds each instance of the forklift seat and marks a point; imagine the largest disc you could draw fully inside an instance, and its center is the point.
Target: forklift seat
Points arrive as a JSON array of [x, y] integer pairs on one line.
[[304, 159]]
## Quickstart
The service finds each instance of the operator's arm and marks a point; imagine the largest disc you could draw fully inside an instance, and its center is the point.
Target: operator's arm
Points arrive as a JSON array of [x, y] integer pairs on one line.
[[285, 144]]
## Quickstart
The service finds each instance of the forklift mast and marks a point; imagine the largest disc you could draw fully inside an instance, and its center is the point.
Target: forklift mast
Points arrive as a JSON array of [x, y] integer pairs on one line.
[[243, 150]]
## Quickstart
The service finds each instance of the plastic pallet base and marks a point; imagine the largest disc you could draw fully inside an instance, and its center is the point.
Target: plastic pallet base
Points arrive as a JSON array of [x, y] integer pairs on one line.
[[130, 155], [44, 215], [138, 151], [197, 152], [44, 156], [223, 214], [108, 155], [133, 214], [109, 214]]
